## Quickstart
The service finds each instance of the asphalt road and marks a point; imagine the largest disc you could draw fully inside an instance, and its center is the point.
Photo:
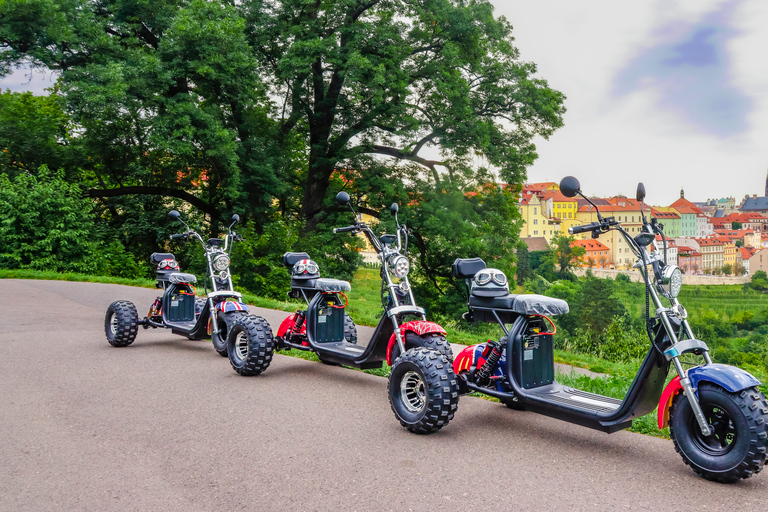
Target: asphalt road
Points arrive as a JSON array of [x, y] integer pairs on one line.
[[165, 424]]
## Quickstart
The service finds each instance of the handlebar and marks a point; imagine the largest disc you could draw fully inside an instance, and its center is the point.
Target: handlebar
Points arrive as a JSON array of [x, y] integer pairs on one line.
[[180, 235], [574, 230], [345, 230]]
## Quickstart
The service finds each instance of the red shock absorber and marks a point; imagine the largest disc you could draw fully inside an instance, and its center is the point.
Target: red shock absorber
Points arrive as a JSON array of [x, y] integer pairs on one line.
[[483, 375]]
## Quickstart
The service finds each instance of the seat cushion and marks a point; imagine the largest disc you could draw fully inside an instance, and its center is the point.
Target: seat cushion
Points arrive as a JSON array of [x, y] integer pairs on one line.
[[181, 277], [466, 268], [527, 304], [332, 285]]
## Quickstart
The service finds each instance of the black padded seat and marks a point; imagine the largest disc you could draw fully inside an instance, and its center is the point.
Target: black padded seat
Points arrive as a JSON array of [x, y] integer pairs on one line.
[[332, 285], [291, 258], [157, 257], [181, 277], [466, 268], [526, 304]]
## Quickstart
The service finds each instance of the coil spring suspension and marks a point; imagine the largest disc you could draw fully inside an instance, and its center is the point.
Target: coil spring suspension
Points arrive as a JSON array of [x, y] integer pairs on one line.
[[483, 375]]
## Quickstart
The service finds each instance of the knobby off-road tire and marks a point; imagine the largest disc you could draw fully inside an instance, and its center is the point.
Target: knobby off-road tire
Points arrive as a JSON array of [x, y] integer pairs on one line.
[[423, 391], [121, 323], [199, 305], [432, 341], [737, 448], [225, 322], [250, 344], [350, 329]]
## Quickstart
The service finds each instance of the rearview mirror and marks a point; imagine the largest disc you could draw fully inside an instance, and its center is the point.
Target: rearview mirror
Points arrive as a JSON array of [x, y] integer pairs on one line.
[[342, 198], [236, 218], [174, 214], [569, 186], [640, 192], [394, 208]]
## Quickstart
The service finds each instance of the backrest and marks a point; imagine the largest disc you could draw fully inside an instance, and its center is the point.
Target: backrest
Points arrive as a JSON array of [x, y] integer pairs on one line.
[[157, 257], [291, 258], [466, 268]]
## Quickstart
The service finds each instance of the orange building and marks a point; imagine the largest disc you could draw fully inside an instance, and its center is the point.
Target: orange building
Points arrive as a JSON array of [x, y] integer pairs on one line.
[[596, 252]]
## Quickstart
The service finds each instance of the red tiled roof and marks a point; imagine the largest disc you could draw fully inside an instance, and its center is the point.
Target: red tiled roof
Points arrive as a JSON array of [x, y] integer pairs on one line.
[[590, 244], [684, 203], [664, 215], [557, 196]]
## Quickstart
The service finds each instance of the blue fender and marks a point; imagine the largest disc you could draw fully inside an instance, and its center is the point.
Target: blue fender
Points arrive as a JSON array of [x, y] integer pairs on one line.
[[727, 377]]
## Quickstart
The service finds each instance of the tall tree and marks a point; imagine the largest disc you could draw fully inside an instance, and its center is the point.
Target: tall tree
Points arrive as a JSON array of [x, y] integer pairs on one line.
[[434, 82]]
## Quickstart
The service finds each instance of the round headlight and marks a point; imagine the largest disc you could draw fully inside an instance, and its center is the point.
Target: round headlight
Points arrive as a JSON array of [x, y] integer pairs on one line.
[[399, 266], [221, 262], [671, 281]]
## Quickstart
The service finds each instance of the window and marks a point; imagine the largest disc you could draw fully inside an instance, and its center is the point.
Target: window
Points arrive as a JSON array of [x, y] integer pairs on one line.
[[535, 211], [535, 221], [535, 232]]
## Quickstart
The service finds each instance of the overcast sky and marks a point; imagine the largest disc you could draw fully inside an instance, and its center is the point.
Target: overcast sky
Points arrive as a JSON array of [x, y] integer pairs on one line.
[[673, 93]]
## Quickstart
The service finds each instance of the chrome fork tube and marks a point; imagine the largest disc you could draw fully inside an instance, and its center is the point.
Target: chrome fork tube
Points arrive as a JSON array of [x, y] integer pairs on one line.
[[695, 406]]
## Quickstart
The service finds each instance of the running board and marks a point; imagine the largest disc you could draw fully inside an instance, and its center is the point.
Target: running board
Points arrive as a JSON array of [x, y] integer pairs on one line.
[[346, 354]]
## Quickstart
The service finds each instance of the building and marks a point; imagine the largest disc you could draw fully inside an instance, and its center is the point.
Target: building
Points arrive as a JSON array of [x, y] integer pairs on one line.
[[595, 252], [670, 220], [672, 249], [628, 213], [747, 237], [754, 221], [758, 261], [712, 253], [556, 205], [535, 220], [704, 225], [689, 260], [754, 204]]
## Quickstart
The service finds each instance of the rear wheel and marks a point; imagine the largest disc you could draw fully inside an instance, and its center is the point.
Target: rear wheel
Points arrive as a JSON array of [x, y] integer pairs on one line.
[[350, 329], [121, 323], [423, 391], [250, 345], [736, 448], [432, 341], [199, 305]]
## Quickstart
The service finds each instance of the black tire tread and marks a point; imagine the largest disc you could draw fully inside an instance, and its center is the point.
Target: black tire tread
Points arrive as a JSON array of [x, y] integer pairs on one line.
[[127, 323], [755, 408], [350, 329], [432, 341], [443, 390], [261, 345]]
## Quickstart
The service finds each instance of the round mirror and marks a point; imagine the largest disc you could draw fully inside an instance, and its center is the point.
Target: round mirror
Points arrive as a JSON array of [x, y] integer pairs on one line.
[[569, 186], [174, 214], [640, 192], [236, 218], [342, 198], [394, 208]]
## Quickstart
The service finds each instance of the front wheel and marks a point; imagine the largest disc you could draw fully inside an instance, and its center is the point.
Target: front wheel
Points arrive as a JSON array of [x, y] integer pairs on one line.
[[225, 322], [736, 448], [423, 391], [121, 323], [250, 345], [432, 341]]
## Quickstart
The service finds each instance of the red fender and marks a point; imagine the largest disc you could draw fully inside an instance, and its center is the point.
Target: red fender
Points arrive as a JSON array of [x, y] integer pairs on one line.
[[467, 358], [665, 402], [417, 326], [288, 324]]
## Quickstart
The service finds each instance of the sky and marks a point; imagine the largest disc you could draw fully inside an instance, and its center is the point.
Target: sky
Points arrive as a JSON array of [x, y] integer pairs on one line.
[[671, 93]]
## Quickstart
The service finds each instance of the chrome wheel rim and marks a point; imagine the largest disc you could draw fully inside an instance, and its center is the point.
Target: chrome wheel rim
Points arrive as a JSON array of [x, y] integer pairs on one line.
[[241, 345], [113, 324], [413, 392]]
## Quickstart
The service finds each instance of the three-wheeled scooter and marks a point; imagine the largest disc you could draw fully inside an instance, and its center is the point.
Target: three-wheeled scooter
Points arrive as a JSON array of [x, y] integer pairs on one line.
[[321, 327], [177, 309], [717, 417]]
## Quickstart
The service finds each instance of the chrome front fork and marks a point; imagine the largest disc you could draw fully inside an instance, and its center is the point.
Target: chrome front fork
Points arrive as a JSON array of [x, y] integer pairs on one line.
[[214, 320]]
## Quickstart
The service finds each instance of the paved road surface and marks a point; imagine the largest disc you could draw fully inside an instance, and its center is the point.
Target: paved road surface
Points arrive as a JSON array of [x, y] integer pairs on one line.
[[167, 425]]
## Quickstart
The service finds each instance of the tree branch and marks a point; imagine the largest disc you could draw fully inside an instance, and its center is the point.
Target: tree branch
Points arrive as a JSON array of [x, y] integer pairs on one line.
[[154, 191]]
